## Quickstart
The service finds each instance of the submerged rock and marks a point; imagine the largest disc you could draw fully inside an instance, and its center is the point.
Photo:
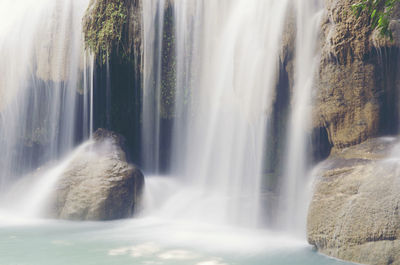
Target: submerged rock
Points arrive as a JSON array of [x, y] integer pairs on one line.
[[98, 184], [354, 212]]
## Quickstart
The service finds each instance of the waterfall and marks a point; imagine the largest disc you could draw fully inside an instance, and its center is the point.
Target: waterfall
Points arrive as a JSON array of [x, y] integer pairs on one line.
[[231, 90], [46, 87], [295, 189], [211, 78], [207, 118], [153, 24]]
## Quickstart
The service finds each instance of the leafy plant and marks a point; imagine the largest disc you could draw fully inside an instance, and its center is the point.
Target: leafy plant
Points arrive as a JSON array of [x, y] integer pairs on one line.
[[379, 12]]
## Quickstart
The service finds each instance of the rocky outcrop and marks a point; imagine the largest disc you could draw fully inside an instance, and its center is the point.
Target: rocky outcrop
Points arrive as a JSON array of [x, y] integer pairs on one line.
[[356, 86], [354, 213], [98, 184]]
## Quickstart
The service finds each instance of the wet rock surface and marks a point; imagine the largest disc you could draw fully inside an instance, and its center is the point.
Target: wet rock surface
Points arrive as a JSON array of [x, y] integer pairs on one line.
[[99, 184], [354, 212]]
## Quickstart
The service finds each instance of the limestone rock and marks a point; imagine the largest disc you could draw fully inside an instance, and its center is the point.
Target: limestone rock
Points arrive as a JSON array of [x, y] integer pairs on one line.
[[98, 184], [354, 212], [357, 77]]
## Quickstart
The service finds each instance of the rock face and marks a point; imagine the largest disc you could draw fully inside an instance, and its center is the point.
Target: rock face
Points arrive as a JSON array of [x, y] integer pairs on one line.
[[356, 87], [98, 184], [354, 213]]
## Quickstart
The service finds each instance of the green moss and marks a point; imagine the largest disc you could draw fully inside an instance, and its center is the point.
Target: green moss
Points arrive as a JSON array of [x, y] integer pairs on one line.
[[103, 26]]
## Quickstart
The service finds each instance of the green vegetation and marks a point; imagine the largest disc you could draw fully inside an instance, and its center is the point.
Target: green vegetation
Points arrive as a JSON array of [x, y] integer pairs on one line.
[[103, 26], [379, 12]]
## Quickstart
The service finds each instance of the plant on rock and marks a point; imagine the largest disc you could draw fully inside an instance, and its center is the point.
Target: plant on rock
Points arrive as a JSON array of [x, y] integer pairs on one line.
[[379, 12], [103, 26]]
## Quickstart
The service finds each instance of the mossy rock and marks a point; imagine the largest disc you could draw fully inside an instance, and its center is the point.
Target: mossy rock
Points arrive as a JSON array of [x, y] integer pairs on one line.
[[103, 26]]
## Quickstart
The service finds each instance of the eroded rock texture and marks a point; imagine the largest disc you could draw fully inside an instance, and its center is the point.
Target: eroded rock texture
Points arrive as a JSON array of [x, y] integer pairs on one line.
[[356, 95]]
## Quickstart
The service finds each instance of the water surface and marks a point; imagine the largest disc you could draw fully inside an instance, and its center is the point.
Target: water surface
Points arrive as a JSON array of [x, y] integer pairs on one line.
[[147, 241]]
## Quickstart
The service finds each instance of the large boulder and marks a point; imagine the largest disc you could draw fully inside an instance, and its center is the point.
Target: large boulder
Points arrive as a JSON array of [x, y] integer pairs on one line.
[[99, 183], [354, 212]]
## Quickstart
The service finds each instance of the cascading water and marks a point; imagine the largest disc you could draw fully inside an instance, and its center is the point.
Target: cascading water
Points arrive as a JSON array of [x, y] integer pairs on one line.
[[223, 61], [153, 24], [295, 192], [210, 79], [223, 87], [45, 84], [226, 67]]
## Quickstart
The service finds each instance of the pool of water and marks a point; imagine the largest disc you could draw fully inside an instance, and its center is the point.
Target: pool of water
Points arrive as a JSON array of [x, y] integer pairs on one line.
[[147, 241]]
